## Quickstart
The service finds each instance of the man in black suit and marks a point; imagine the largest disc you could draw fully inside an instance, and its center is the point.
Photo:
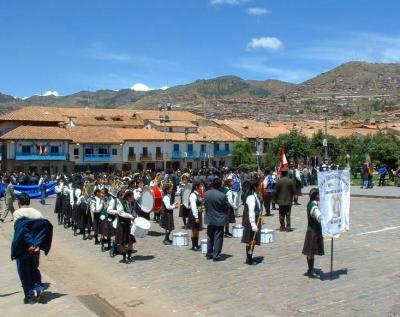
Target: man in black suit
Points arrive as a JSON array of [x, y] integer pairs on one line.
[[216, 217]]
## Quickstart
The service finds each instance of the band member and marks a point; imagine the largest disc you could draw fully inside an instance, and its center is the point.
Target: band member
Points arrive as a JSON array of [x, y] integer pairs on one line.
[[314, 241], [96, 206], [167, 216], [77, 217], [67, 208], [232, 205], [123, 236], [195, 215], [183, 211], [251, 222], [110, 213], [137, 194], [58, 208]]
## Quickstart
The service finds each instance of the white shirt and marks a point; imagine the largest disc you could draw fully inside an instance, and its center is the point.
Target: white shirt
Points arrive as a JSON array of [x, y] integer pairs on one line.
[[96, 205], [231, 198], [121, 211], [137, 194], [59, 188], [316, 213], [193, 205], [28, 212], [251, 202], [167, 203], [112, 208]]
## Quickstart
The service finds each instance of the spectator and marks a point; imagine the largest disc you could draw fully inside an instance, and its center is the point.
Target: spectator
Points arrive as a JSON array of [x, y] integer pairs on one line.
[[10, 198], [382, 175]]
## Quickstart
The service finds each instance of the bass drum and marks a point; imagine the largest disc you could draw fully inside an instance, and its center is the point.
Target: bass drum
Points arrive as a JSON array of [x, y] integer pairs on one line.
[[151, 199], [201, 191], [185, 195]]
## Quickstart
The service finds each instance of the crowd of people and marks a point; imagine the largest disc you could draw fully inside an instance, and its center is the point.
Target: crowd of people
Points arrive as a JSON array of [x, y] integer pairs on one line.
[[102, 207]]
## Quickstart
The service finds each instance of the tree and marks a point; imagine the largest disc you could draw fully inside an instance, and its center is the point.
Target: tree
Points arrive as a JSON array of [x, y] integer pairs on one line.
[[295, 143], [334, 146], [384, 149], [242, 154]]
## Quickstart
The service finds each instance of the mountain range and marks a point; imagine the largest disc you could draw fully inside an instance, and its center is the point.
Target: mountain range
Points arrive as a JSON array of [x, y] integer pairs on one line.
[[348, 80]]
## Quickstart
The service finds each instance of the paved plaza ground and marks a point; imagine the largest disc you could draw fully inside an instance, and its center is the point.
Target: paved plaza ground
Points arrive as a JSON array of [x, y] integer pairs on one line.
[[173, 281]]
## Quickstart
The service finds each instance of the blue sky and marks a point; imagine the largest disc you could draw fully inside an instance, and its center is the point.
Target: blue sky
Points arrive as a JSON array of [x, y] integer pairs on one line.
[[68, 45]]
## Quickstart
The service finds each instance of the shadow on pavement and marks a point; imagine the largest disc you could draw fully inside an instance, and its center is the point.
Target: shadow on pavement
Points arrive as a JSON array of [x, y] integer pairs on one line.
[[49, 296], [155, 234], [327, 276], [9, 294], [143, 257]]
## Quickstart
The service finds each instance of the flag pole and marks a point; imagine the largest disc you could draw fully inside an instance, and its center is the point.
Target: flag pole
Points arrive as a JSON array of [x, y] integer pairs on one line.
[[331, 258]]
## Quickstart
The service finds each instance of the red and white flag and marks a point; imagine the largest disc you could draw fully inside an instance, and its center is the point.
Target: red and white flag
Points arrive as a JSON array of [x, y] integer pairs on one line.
[[283, 162]]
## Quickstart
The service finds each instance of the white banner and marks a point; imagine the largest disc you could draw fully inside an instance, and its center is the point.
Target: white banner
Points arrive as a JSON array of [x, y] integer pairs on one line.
[[334, 193]]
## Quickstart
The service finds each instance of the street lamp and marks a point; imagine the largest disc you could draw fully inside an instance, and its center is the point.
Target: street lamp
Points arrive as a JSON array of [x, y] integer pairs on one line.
[[164, 118], [258, 153], [204, 154]]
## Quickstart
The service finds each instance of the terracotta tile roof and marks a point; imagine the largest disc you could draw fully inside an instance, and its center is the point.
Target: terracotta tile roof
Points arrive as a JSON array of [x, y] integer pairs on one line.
[[107, 121], [205, 134], [173, 115], [37, 133], [180, 124], [252, 129], [41, 114], [140, 134], [91, 135]]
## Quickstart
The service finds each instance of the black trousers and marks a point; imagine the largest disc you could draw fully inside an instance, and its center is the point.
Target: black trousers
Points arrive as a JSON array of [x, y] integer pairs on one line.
[[267, 203], [215, 235], [284, 212], [29, 274]]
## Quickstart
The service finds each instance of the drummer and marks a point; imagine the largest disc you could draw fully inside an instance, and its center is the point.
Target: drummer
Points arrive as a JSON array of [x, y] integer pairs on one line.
[[183, 211], [58, 208], [251, 215], [123, 236], [137, 194], [167, 213], [195, 222], [106, 226], [232, 205]]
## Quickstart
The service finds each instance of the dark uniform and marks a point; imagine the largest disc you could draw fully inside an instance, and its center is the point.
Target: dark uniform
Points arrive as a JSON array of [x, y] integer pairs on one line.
[[313, 242], [123, 236], [167, 218], [248, 232], [285, 190]]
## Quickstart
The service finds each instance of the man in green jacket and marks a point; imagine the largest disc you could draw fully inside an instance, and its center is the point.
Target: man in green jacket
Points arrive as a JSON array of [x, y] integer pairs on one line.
[[9, 199], [285, 191]]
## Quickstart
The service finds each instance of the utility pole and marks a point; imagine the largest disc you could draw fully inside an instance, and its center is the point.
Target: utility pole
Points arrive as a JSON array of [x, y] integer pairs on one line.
[[325, 143]]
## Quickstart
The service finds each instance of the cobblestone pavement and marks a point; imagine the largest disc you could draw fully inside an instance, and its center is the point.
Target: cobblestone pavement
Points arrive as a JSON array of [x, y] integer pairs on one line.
[[173, 281]]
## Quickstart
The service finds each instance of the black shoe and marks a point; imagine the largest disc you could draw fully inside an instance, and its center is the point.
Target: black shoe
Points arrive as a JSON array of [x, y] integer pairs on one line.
[[96, 242], [218, 259], [288, 229], [209, 257], [90, 237], [281, 229], [228, 235], [167, 242], [130, 259], [29, 300], [195, 248], [312, 274], [41, 299]]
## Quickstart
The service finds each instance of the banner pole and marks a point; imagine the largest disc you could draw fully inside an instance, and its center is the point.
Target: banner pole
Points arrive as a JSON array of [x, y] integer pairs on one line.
[[331, 257]]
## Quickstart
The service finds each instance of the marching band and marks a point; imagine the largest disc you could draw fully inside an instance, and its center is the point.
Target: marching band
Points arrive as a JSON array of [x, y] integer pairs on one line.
[[112, 209]]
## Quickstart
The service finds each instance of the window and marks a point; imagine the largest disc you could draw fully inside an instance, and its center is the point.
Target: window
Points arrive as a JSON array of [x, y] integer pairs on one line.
[[88, 151], [158, 150], [54, 149], [131, 151], [26, 149], [76, 153], [100, 118], [203, 148], [116, 119], [170, 129], [216, 146], [227, 147], [145, 152], [103, 151], [176, 147], [114, 151], [190, 148]]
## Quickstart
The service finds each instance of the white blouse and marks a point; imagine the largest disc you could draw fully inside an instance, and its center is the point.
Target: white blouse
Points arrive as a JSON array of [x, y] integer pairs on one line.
[[167, 203], [251, 202]]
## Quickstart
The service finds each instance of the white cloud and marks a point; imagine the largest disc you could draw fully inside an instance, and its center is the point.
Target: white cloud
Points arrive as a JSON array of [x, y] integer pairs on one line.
[[354, 47], [51, 93], [271, 43], [141, 87], [234, 2], [144, 87], [257, 11]]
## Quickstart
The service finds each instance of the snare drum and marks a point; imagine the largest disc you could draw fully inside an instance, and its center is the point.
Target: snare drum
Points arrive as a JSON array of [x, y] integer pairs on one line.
[[267, 235], [186, 194], [151, 199], [201, 191], [237, 231], [180, 239], [203, 243], [140, 228]]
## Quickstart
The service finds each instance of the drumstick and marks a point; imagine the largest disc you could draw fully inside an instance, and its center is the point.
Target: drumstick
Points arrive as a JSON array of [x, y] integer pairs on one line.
[[253, 242]]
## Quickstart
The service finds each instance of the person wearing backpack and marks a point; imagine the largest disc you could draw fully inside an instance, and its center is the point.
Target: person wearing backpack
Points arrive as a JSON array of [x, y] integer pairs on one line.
[[269, 186]]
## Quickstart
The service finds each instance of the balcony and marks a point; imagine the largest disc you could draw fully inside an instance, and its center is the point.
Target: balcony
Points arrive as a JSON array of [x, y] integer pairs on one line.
[[177, 155], [97, 158], [159, 157], [222, 153], [191, 155], [19, 156], [146, 157], [132, 158], [203, 155]]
